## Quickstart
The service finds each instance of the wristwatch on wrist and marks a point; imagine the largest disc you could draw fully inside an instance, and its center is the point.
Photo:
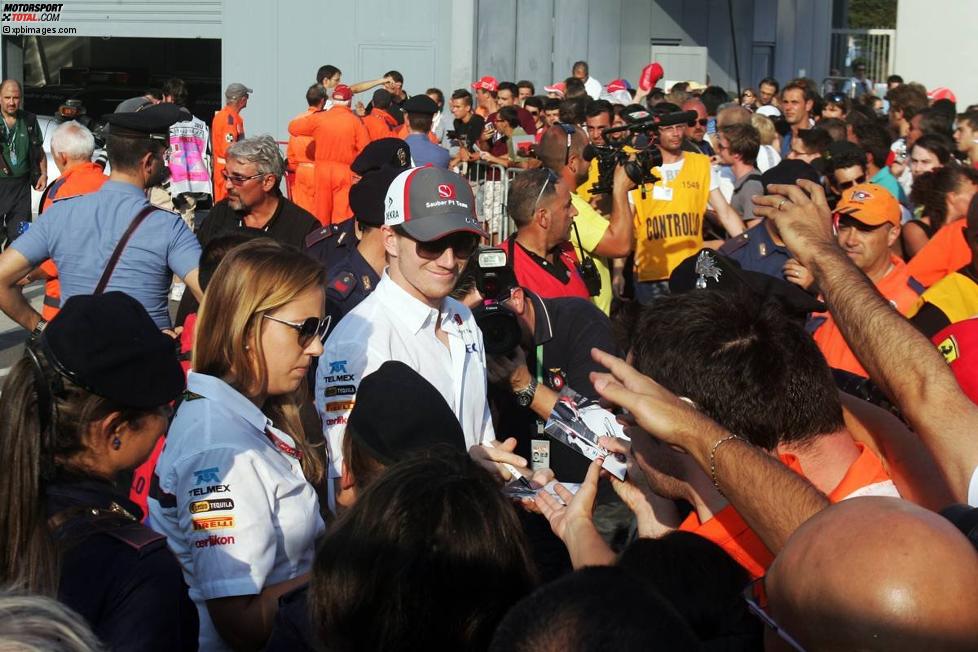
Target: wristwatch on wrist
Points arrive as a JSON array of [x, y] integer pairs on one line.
[[36, 333], [525, 396]]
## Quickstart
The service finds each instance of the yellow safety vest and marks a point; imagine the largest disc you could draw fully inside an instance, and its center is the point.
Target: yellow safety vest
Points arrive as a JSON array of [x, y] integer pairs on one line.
[[669, 229]]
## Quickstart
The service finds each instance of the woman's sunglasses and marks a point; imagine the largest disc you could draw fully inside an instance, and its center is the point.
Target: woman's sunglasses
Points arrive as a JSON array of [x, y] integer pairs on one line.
[[307, 328]]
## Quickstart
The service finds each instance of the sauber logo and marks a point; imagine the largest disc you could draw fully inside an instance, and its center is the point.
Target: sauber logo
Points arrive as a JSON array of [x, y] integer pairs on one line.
[[446, 191]]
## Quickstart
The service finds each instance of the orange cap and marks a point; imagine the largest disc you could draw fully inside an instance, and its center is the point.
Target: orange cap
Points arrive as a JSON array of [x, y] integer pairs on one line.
[[870, 204]]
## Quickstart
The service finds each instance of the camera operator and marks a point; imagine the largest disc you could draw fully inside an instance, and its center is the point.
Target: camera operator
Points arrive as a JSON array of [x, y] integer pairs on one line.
[[546, 348], [561, 149], [670, 212]]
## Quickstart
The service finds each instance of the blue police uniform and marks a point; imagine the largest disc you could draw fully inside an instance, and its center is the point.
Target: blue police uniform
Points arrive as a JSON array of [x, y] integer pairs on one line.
[[756, 251], [331, 243], [425, 152], [349, 282], [80, 234], [115, 572]]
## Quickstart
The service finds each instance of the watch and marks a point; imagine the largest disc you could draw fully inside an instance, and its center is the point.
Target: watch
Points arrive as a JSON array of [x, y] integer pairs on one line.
[[36, 333], [525, 396]]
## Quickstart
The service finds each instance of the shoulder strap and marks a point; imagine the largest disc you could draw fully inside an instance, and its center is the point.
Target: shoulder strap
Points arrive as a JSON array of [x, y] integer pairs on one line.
[[114, 259], [753, 176]]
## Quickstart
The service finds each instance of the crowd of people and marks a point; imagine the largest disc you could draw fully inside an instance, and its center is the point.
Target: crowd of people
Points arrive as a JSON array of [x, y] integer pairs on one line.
[[713, 389]]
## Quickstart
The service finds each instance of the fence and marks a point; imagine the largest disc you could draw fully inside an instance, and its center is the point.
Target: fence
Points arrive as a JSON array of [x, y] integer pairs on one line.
[[876, 48], [490, 185]]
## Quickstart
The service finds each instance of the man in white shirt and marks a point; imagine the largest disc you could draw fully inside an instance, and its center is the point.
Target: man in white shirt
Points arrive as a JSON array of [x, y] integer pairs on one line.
[[591, 85], [430, 230]]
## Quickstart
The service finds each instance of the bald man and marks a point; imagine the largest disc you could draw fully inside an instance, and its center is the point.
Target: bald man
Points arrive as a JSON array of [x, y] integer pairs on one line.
[[23, 164], [875, 573]]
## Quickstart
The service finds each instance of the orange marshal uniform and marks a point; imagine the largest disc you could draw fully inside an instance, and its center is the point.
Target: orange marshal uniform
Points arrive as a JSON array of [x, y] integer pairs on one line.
[[404, 132], [945, 253], [79, 180], [865, 477], [301, 155], [669, 220], [898, 287], [339, 136], [226, 129], [380, 124]]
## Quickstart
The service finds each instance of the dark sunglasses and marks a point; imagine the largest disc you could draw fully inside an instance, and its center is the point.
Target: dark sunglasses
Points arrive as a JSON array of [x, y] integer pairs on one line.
[[237, 179], [845, 185], [703, 122], [462, 244], [307, 328], [756, 600]]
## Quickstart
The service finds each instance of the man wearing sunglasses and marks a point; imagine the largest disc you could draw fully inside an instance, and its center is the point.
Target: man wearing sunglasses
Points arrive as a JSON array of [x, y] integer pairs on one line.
[[430, 231], [867, 221]]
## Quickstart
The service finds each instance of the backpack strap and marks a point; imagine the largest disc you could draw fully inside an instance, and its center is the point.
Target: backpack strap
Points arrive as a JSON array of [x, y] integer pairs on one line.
[[114, 259]]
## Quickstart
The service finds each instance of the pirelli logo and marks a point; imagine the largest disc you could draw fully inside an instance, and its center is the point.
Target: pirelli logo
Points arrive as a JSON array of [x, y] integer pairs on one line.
[[214, 523], [340, 406], [221, 504]]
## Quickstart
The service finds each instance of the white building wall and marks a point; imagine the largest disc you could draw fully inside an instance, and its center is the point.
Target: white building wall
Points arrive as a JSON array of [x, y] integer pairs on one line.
[[937, 46]]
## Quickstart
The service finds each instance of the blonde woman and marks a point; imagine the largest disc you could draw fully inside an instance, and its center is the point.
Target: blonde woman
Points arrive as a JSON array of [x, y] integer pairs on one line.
[[235, 496], [768, 155]]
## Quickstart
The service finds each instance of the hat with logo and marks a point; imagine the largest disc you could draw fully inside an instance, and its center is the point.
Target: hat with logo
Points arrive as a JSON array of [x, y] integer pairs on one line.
[[429, 203], [343, 93], [236, 90], [869, 204], [420, 104], [487, 83], [651, 74], [378, 165], [151, 122], [617, 85], [941, 93], [422, 419], [109, 345], [958, 343], [557, 87]]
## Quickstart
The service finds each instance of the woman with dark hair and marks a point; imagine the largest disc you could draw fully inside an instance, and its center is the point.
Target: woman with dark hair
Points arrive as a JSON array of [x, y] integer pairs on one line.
[[430, 557], [941, 193], [234, 485], [87, 403]]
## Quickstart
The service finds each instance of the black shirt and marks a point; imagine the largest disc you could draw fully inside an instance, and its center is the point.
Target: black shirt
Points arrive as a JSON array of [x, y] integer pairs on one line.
[[290, 224], [566, 330], [470, 131], [116, 573]]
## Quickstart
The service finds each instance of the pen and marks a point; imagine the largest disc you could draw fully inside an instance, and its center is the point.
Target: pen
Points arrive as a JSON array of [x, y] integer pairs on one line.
[[512, 469]]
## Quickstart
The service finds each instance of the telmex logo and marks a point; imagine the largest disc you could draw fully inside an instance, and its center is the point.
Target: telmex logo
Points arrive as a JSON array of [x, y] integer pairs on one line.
[[214, 523]]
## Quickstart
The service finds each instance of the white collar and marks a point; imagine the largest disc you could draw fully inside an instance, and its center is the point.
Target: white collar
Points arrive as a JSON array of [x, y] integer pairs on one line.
[[412, 312], [223, 394]]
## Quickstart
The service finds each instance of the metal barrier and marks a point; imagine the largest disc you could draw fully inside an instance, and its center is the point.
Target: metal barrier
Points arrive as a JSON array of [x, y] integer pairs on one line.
[[490, 185], [876, 48]]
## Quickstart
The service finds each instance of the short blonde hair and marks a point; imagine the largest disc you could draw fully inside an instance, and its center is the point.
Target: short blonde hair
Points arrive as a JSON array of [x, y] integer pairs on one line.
[[765, 127], [253, 279]]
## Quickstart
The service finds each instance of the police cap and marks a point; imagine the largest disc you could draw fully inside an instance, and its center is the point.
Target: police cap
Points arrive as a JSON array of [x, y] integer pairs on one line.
[[420, 104], [368, 194], [788, 171], [708, 270], [398, 412], [385, 151], [109, 345], [152, 122]]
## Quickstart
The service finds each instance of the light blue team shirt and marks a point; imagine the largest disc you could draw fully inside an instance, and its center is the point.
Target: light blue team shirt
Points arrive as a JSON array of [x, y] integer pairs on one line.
[[425, 152], [79, 234]]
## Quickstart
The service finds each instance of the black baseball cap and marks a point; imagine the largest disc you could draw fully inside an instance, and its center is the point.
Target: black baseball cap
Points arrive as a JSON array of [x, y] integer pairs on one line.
[[398, 412], [429, 203], [109, 345]]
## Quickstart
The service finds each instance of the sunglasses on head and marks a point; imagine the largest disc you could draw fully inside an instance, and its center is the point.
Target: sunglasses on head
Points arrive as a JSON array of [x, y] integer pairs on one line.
[[307, 328], [462, 243], [570, 130], [845, 185]]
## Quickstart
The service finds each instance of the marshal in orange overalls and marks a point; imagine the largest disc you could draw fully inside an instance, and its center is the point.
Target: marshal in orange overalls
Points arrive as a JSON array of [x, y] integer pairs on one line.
[[226, 129], [339, 136], [301, 155], [80, 179], [380, 124]]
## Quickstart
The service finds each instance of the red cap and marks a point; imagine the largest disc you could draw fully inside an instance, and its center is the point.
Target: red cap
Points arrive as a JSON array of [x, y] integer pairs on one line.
[[651, 74], [487, 83], [958, 343], [941, 93], [617, 85], [556, 87], [342, 93]]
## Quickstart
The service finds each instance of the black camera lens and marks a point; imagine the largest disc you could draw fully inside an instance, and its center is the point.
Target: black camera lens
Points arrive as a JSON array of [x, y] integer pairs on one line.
[[500, 329]]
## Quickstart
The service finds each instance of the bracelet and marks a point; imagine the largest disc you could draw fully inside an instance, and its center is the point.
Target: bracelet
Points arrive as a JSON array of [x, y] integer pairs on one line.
[[713, 458]]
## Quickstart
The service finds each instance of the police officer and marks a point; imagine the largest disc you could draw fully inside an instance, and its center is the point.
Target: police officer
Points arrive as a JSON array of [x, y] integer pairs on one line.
[[332, 243], [357, 271], [113, 239], [87, 402], [420, 111]]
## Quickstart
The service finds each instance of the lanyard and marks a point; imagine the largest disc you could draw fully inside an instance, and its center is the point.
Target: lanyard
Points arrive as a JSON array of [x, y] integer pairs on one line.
[[539, 356]]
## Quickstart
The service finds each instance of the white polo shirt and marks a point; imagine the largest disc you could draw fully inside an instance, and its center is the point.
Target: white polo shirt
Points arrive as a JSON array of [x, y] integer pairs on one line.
[[390, 324], [231, 499]]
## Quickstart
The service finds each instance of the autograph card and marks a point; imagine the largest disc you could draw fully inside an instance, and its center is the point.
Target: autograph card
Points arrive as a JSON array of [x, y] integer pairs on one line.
[[577, 423]]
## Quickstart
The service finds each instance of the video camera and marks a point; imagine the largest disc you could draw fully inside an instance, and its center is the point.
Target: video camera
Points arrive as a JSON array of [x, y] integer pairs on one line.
[[638, 170], [494, 278]]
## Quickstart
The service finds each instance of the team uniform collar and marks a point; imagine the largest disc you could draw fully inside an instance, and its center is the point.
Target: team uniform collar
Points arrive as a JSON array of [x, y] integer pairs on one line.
[[410, 311]]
